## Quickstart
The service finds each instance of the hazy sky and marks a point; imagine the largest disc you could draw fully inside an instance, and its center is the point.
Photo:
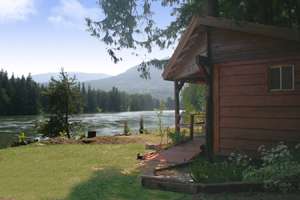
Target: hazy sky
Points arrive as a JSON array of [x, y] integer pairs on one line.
[[38, 36]]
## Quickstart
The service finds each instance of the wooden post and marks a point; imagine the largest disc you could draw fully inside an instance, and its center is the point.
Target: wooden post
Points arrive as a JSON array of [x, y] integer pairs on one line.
[[177, 107], [209, 119], [177, 87], [192, 126], [207, 66]]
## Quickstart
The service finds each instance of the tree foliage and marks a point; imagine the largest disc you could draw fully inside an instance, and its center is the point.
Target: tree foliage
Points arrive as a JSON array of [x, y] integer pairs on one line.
[[23, 96], [130, 24], [18, 96], [116, 101], [64, 100], [193, 99]]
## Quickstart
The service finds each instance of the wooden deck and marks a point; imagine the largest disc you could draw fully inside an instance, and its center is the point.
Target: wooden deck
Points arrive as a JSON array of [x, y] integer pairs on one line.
[[176, 155]]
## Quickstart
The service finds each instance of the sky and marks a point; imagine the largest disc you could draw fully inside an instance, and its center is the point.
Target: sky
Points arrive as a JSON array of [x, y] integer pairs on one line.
[[40, 36]]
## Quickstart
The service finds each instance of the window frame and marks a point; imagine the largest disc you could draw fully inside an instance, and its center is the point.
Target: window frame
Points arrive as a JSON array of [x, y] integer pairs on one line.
[[280, 70]]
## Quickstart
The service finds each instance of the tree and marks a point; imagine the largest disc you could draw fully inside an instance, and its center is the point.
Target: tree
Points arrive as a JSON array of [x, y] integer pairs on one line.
[[64, 100], [130, 24], [193, 97]]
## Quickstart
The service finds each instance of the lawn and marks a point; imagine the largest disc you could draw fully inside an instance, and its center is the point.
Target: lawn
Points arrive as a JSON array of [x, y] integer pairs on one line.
[[72, 172]]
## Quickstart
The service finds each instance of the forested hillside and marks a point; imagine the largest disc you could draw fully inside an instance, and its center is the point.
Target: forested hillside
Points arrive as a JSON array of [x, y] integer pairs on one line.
[[131, 82], [18, 96], [23, 96]]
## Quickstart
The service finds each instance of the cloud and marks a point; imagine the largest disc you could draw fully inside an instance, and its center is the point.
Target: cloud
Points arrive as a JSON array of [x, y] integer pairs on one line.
[[16, 10], [72, 13]]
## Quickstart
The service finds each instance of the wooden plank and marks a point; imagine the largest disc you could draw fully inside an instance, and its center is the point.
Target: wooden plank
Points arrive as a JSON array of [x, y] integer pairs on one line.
[[256, 123], [243, 80], [216, 104], [261, 112], [269, 61], [243, 70], [260, 134], [242, 145], [256, 101], [245, 90]]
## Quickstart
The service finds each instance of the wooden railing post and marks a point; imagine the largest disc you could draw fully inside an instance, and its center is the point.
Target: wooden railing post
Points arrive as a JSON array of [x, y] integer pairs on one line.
[[177, 105], [192, 126], [177, 87]]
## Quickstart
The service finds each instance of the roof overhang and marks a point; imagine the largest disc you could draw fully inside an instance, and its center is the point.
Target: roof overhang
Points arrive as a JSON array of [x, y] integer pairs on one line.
[[176, 69]]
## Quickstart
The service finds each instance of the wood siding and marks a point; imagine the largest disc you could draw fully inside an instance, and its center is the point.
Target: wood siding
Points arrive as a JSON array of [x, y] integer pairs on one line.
[[249, 114], [229, 46]]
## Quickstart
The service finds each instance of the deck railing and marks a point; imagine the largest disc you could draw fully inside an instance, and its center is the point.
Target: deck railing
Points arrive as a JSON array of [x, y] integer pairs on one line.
[[195, 120]]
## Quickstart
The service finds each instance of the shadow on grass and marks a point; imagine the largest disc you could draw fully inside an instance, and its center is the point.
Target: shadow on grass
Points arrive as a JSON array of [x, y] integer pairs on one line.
[[113, 184]]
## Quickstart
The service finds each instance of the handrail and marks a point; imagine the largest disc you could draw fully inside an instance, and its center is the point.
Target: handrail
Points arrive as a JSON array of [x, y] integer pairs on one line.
[[194, 123]]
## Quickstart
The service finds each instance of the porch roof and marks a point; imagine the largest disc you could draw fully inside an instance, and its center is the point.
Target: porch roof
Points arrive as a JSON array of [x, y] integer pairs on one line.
[[177, 68]]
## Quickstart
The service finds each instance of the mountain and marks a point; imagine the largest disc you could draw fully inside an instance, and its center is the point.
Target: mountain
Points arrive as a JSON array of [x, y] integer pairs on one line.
[[131, 82], [81, 77]]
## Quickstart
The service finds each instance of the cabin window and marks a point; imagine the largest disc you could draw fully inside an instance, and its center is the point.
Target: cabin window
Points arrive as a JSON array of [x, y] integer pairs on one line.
[[281, 78]]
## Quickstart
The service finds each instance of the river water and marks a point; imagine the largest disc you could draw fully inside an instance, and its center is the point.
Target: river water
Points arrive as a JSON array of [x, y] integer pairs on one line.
[[103, 123]]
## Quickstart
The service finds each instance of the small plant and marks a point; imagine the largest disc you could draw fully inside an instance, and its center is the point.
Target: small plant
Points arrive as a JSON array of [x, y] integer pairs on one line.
[[126, 128], [159, 114], [141, 130], [81, 135], [22, 138], [62, 134], [176, 137]]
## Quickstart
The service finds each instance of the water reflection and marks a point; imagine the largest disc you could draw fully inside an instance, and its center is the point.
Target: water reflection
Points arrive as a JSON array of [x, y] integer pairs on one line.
[[103, 123]]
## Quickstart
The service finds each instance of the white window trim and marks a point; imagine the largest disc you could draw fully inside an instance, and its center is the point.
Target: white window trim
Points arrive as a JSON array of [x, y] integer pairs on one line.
[[293, 77]]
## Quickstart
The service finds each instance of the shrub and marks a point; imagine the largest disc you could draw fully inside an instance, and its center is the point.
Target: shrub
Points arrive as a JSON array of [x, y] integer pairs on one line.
[[22, 138], [126, 128], [215, 172], [176, 137], [280, 169]]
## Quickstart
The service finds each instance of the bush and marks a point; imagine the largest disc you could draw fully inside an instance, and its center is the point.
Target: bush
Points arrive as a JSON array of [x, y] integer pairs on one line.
[[280, 169], [216, 172], [126, 130], [176, 137], [22, 138], [52, 127]]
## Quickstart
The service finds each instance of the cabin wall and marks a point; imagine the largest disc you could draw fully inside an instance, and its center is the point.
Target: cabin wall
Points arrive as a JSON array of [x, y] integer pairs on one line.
[[229, 46], [247, 114]]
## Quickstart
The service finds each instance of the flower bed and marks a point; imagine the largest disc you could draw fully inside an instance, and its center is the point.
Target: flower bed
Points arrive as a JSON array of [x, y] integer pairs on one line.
[[277, 169]]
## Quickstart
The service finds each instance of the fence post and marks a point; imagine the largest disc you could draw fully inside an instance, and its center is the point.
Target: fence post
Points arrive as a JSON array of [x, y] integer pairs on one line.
[[192, 126]]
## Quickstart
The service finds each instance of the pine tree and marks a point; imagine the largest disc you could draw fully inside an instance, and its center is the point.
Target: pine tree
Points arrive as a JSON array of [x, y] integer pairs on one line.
[[64, 100]]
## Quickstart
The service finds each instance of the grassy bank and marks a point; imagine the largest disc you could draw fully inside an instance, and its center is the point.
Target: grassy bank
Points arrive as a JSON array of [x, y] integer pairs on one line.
[[74, 172]]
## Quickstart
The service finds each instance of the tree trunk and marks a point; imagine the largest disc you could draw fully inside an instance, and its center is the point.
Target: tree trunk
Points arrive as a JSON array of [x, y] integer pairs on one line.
[[213, 8], [67, 112]]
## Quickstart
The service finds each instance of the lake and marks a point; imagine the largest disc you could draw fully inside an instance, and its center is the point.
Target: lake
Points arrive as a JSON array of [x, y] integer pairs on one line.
[[103, 123]]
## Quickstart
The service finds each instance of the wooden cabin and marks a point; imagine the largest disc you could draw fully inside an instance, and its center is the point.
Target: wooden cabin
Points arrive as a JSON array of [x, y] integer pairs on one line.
[[253, 74]]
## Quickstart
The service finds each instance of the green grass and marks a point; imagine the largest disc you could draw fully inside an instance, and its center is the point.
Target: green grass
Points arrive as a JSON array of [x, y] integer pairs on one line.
[[71, 172]]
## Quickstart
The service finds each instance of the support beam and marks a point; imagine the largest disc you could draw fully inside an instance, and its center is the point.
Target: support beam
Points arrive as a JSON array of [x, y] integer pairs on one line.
[[177, 87], [206, 65]]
